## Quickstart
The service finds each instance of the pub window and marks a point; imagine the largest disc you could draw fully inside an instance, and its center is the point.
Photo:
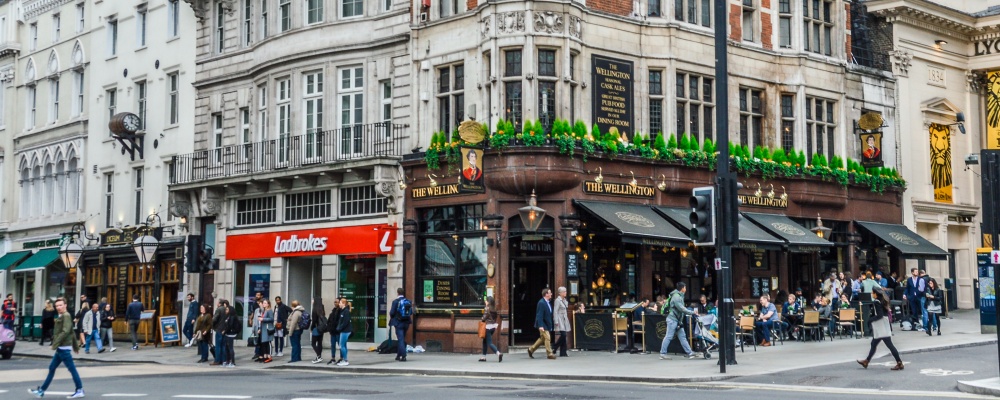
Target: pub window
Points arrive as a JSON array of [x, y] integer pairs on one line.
[[307, 206], [547, 88], [512, 87], [256, 211], [785, 23], [749, 16], [655, 101], [820, 127], [698, 12], [452, 255], [360, 200], [751, 117], [109, 199], [788, 122], [451, 97], [695, 106], [653, 9], [817, 27]]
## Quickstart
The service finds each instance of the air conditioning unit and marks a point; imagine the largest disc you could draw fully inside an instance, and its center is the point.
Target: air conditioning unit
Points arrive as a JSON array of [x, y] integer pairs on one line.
[[423, 17]]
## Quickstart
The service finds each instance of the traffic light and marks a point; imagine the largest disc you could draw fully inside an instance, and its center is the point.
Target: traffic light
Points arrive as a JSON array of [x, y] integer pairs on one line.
[[703, 216], [192, 257], [730, 200]]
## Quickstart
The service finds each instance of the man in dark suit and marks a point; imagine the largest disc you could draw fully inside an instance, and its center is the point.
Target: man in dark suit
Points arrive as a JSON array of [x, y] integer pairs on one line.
[[400, 324], [543, 322], [915, 294]]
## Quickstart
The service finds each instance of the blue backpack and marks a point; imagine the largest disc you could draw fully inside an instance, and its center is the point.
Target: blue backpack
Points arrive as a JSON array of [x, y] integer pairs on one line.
[[404, 309], [304, 321]]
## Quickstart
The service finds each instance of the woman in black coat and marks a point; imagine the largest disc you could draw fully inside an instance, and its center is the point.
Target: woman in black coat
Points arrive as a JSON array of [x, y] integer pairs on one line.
[[935, 302], [316, 330], [881, 329], [344, 327], [48, 322]]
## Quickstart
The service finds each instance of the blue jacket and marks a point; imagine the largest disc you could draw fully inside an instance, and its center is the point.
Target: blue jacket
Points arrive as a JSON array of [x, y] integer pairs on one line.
[[193, 311], [393, 320], [543, 315], [134, 311], [915, 291]]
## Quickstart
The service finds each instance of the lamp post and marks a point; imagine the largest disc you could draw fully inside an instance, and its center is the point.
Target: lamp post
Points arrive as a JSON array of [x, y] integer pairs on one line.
[[145, 249], [820, 230], [531, 215]]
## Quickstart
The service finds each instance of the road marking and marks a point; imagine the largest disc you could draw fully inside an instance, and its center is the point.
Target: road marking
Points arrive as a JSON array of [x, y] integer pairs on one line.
[[124, 395], [887, 364], [209, 396], [59, 393], [943, 372], [315, 398]]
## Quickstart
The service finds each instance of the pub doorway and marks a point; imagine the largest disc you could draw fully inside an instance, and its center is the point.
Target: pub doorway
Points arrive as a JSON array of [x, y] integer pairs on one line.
[[528, 277]]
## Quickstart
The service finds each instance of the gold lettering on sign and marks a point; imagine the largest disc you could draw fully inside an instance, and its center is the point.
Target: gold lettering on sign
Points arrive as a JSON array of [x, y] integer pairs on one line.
[[760, 201], [435, 191], [618, 189]]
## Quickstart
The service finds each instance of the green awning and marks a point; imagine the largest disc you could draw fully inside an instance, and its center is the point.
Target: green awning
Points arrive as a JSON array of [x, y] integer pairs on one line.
[[40, 260], [636, 223], [13, 258], [751, 235], [800, 239], [909, 244]]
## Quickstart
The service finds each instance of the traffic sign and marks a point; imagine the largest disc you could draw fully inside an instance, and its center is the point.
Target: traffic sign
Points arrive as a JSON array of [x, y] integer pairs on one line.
[[718, 264], [995, 257]]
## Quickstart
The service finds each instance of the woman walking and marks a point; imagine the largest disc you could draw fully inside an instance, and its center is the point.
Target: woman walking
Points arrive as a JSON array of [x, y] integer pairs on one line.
[[78, 321], [107, 321], [560, 320], [316, 329], [344, 327], [490, 317], [48, 322], [265, 330], [881, 329], [935, 297], [203, 331]]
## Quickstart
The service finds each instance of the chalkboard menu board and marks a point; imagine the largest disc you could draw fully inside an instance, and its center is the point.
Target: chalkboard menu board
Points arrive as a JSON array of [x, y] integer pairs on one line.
[[760, 286], [572, 269]]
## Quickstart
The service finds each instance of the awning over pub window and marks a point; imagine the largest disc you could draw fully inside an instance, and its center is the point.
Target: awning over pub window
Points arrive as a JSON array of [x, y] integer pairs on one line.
[[799, 238], [40, 260], [909, 244], [636, 223], [13, 258], [751, 236]]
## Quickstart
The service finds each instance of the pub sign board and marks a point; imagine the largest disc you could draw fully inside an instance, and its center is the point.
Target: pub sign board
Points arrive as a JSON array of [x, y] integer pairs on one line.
[[613, 96]]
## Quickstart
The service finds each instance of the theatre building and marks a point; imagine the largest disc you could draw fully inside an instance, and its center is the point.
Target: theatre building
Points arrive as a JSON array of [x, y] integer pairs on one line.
[[605, 214]]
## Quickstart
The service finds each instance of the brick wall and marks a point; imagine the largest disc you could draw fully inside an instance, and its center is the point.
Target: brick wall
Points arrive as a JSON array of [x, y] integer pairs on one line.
[[847, 40], [617, 7], [735, 22], [471, 4], [766, 29]]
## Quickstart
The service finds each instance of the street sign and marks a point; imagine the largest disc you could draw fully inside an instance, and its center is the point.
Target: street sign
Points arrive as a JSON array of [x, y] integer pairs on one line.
[[995, 257], [718, 264]]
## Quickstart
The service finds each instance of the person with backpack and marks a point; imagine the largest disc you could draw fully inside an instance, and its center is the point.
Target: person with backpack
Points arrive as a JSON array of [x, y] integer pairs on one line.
[[344, 327], [675, 325], [317, 330], [331, 326], [399, 318], [295, 320]]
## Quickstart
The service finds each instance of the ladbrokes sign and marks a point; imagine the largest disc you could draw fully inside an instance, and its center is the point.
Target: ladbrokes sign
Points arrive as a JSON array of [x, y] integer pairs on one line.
[[363, 239], [295, 245]]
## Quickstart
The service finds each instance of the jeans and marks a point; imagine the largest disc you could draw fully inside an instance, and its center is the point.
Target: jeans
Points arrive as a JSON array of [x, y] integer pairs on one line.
[[923, 311], [675, 329], [765, 329], [96, 336], [65, 357], [934, 321], [400, 342], [488, 342], [107, 336], [9, 324], [133, 330], [296, 343], [343, 344], [334, 337], [220, 347], [230, 351], [203, 349], [188, 330]]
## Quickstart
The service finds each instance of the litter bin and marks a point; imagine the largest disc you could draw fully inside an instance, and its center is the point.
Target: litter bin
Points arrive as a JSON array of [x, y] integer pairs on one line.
[[951, 293], [31, 327]]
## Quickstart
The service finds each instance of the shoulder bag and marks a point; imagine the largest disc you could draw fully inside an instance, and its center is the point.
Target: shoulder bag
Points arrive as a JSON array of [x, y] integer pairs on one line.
[[881, 328], [934, 309], [482, 329]]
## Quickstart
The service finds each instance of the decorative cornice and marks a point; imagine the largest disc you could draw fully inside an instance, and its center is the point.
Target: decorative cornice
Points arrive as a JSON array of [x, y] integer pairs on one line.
[[901, 61], [966, 29], [201, 8], [35, 8]]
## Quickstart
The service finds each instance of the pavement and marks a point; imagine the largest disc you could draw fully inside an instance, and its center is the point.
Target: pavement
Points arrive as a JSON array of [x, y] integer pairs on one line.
[[960, 331]]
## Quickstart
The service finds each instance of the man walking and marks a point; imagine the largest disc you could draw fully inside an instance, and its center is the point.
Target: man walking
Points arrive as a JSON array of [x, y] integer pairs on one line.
[[915, 294], [132, 315], [543, 322], [192, 315], [399, 316], [9, 311], [219, 325], [63, 340], [92, 328], [675, 313]]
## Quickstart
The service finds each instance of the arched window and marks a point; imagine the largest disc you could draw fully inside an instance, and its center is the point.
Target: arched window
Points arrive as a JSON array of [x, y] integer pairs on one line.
[[48, 187], [25, 183], [36, 190], [73, 183], [60, 192]]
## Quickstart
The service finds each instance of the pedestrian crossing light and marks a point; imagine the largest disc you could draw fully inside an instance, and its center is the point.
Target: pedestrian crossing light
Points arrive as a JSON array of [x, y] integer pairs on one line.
[[703, 216]]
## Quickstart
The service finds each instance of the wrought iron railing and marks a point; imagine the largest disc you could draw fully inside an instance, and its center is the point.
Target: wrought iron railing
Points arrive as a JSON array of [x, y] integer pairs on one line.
[[869, 58], [318, 147]]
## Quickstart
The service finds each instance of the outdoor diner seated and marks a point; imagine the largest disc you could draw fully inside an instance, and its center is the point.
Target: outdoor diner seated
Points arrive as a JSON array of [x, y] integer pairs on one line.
[[791, 315], [825, 313], [766, 319]]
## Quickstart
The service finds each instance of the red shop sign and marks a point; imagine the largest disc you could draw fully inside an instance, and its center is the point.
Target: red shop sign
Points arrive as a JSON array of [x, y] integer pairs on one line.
[[364, 239]]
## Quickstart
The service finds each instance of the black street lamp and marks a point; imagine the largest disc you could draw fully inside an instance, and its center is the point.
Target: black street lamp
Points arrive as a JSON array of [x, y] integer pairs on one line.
[[145, 246]]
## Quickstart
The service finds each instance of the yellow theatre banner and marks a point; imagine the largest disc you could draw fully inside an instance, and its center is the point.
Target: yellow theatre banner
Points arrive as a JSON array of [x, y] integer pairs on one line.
[[993, 110], [940, 138]]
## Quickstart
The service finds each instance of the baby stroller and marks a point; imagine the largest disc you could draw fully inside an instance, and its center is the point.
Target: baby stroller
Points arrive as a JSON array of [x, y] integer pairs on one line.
[[898, 316], [703, 340]]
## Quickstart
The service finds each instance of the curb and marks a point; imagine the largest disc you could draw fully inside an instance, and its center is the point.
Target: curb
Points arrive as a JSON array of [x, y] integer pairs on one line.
[[950, 347], [977, 387]]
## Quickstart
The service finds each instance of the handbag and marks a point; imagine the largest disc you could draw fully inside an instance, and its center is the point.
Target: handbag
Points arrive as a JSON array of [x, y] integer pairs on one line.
[[196, 337], [881, 328], [278, 325], [482, 329], [935, 309], [252, 341]]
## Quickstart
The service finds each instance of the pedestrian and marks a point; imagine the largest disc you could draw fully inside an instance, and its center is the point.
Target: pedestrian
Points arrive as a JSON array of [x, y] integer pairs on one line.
[[233, 328], [203, 331], [220, 322], [400, 317], [316, 330], [265, 330], [107, 322], [881, 329], [491, 317], [560, 320], [344, 327], [48, 322], [281, 313], [132, 315], [294, 332], [63, 341], [331, 327], [543, 322], [869, 283], [935, 300], [92, 328], [916, 295], [256, 315], [192, 315], [78, 321], [675, 315], [9, 312]]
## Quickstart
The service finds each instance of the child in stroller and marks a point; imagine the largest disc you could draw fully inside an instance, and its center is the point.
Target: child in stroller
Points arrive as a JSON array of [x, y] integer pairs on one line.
[[704, 341]]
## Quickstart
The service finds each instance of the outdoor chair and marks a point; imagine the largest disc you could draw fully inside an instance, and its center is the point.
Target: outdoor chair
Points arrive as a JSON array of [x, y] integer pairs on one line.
[[846, 322], [746, 329], [810, 324]]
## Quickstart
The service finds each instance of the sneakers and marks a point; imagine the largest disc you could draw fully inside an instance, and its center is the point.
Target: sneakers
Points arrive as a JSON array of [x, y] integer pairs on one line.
[[317, 360], [136, 347], [100, 351], [37, 392], [188, 345], [78, 394], [113, 349], [332, 360], [692, 356], [280, 354], [230, 365], [664, 357], [343, 363]]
